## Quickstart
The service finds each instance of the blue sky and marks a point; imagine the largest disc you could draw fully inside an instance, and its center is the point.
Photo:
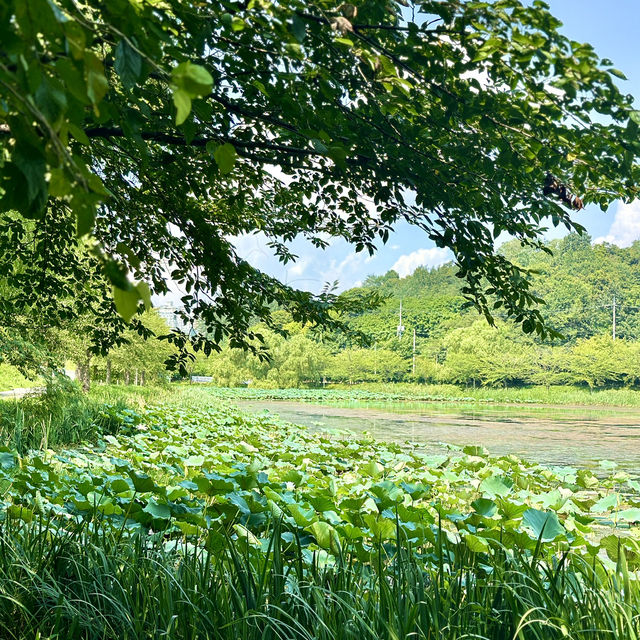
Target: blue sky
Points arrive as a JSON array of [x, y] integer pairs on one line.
[[613, 28]]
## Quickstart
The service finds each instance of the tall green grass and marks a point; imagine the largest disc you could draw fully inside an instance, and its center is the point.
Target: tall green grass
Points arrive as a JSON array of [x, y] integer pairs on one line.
[[66, 585], [60, 415], [137, 396]]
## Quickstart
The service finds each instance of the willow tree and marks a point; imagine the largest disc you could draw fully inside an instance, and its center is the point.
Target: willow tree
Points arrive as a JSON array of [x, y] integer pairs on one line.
[[162, 129]]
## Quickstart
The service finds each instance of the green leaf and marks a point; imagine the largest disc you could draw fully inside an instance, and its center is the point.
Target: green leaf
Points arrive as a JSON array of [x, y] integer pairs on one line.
[[488, 48], [237, 24], [628, 515], [545, 524], [128, 64], [84, 206], [511, 510], [145, 294], [22, 513], [31, 162], [192, 79], [372, 468], [388, 494], [275, 509], [157, 510], [298, 27], [119, 485], [142, 482], [51, 99], [476, 544], [103, 504], [225, 157], [79, 134], [8, 460], [485, 507], [76, 38], [473, 450], [126, 302], [495, 486], [303, 517], [187, 528], [182, 102], [326, 536], [237, 500], [612, 545], [59, 185], [246, 535], [73, 77], [319, 146], [605, 503], [15, 196], [617, 73], [381, 528], [97, 84]]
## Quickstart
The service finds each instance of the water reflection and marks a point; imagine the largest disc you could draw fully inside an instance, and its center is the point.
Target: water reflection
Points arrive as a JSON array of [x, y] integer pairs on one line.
[[553, 435]]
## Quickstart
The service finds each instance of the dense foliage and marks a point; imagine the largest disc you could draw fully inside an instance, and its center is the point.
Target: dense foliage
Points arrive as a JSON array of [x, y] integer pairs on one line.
[[580, 282], [256, 523], [167, 129]]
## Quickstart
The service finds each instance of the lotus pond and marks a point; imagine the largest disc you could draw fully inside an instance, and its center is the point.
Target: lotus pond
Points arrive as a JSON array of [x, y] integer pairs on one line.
[[196, 520], [579, 436]]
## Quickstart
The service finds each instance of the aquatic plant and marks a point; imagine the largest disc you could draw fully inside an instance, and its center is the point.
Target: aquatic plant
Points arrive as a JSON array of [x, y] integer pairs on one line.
[[251, 527]]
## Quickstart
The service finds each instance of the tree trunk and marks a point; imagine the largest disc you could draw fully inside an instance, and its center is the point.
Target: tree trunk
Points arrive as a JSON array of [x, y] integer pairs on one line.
[[108, 373], [142, 378], [127, 377], [136, 378], [86, 380]]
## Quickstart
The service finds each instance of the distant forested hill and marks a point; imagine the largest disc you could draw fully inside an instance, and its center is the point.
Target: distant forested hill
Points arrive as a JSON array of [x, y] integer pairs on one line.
[[578, 283]]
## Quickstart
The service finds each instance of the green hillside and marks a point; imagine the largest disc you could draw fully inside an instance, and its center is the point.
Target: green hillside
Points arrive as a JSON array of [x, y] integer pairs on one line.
[[578, 282]]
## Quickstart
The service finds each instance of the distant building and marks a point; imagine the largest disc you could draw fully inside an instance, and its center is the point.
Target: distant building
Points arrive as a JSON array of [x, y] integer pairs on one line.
[[170, 314], [202, 379]]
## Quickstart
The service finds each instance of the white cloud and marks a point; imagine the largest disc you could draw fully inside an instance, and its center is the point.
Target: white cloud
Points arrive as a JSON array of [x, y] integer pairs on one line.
[[625, 228], [298, 268], [346, 271], [407, 264]]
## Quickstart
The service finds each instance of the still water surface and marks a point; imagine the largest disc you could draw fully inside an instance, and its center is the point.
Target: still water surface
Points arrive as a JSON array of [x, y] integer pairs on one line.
[[577, 436]]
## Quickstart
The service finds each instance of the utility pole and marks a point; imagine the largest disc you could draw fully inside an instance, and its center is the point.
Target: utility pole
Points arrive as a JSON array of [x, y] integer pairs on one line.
[[613, 331], [413, 368], [375, 358], [400, 330]]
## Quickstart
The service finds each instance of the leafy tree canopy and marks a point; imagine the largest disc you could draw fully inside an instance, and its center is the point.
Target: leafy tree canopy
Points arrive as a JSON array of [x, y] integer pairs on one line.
[[162, 129]]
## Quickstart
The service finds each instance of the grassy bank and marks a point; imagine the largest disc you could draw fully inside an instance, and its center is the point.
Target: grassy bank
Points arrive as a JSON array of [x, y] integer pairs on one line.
[[191, 519], [553, 395], [62, 415]]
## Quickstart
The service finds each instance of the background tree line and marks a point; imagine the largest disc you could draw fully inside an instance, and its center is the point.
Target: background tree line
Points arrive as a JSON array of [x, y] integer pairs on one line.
[[453, 345], [578, 281]]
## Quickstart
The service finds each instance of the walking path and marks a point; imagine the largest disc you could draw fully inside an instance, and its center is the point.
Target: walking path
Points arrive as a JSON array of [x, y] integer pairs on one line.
[[21, 392]]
